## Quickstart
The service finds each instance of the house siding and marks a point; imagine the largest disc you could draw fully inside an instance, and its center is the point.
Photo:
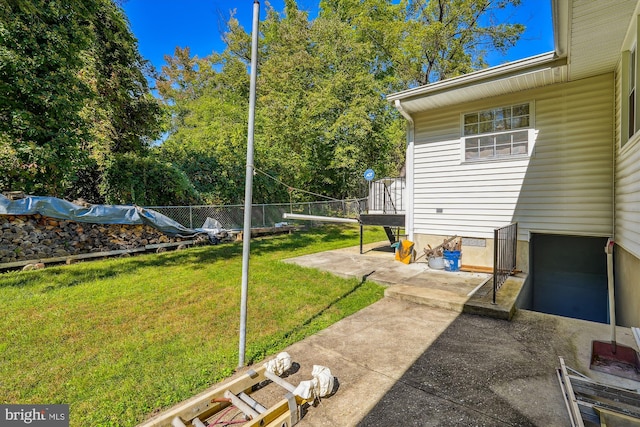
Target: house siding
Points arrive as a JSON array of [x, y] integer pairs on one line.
[[564, 187], [627, 189], [627, 220], [628, 201], [627, 289]]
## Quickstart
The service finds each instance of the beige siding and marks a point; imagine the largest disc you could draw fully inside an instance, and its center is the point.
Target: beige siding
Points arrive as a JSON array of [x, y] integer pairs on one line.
[[565, 187], [627, 232], [628, 198], [627, 289]]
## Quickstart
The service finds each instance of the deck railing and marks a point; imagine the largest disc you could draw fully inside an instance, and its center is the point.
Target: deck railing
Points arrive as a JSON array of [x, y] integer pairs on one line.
[[387, 196], [505, 242]]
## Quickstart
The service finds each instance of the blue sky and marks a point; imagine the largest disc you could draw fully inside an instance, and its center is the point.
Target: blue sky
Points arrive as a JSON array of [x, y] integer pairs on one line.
[[161, 25]]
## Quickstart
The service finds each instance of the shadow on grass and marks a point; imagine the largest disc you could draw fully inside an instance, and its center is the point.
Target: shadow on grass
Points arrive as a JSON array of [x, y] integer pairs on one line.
[[82, 272], [299, 241], [302, 326]]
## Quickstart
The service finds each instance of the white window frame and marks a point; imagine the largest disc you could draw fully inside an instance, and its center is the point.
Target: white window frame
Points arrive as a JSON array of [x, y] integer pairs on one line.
[[630, 90], [630, 116], [495, 134], [631, 93]]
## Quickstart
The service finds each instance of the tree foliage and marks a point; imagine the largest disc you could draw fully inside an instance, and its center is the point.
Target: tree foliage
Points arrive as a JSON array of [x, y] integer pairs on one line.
[[209, 122], [146, 181], [116, 72], [41, 130], [422, 41], [77, 118], [321, 118], [74, 93]]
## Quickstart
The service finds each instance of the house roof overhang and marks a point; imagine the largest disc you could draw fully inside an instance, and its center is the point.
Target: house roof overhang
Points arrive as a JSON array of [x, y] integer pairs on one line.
[[528, 73], [592, 34], [588, 38]]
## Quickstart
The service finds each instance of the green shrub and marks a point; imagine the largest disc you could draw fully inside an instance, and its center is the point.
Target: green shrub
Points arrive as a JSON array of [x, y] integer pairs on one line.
[[130, 178]]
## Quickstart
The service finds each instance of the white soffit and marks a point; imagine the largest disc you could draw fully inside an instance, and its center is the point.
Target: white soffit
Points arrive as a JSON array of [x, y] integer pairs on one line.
[[596, 35], [529, 73], [595, 31]]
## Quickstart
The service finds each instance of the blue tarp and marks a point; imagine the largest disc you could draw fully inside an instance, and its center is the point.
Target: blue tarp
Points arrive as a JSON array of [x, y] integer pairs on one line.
[[95, 214]]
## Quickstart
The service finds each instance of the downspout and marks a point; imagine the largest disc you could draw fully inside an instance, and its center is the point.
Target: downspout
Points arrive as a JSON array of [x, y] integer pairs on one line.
[[560, 15], [614, 162], [409, 170]]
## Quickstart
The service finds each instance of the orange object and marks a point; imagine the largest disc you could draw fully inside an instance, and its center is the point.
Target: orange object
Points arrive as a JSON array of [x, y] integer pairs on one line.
[[404, 252]]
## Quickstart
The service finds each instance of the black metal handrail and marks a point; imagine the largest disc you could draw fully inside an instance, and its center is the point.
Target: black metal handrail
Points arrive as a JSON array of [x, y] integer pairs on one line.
[[505, 244]]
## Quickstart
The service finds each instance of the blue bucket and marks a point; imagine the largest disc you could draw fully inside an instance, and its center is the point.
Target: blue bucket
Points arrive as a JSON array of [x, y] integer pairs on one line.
[[451, 260]]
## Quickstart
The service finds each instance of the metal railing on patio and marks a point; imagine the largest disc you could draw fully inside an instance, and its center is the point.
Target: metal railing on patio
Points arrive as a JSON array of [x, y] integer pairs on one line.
[[262, 215], [505, 243]]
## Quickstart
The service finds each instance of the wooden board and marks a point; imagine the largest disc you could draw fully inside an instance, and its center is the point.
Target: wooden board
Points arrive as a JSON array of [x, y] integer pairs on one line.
[[60, 259]]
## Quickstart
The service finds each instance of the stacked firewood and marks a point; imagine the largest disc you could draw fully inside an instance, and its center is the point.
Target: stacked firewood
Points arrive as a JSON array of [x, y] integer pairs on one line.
[[26, 237]]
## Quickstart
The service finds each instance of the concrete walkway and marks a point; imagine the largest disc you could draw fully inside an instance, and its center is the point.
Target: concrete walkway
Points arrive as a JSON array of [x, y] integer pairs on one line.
[[399, 363], [402, 364]]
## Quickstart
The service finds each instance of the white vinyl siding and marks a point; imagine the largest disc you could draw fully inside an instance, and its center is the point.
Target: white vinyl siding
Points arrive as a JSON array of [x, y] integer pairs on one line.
[[627, 233], [564, 187]]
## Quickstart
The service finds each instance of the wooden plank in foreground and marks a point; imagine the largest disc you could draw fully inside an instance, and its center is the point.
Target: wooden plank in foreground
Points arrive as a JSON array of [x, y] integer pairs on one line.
[[201, 406]]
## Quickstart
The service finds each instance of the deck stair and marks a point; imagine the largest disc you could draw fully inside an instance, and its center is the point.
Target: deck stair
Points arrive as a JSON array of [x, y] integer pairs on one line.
[[390, 234]]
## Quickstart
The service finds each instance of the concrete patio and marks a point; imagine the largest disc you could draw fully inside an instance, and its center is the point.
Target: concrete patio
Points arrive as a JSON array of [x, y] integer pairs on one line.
[[459, 291]]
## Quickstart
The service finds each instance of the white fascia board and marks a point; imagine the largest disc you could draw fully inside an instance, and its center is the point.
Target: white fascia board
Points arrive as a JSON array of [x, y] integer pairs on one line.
[[499, 71]]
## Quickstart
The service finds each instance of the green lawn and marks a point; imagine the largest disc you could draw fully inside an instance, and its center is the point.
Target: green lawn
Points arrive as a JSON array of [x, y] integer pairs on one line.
[[121, 338]]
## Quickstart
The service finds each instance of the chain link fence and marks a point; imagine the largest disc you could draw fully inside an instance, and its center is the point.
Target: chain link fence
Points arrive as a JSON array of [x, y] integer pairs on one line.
[[231, 217]]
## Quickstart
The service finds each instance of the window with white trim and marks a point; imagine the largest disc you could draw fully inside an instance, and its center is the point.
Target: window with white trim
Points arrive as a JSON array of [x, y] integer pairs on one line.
[[497, 133], [631, 96], [630, 67]]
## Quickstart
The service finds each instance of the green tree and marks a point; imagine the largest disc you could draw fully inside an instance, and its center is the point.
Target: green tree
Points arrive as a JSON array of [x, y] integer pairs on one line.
[[121, 89], [41, 129], [74, 93], [321, 114], [209, 115], [122, 114], [321, 119], [147, 181], [422, 41], [322, 106]]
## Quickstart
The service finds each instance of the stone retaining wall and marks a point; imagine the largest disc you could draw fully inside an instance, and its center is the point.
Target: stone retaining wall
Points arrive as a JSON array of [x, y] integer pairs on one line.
[[35, 237]]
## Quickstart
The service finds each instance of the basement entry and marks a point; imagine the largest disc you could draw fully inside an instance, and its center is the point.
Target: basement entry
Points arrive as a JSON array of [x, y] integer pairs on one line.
[[568, 277]]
